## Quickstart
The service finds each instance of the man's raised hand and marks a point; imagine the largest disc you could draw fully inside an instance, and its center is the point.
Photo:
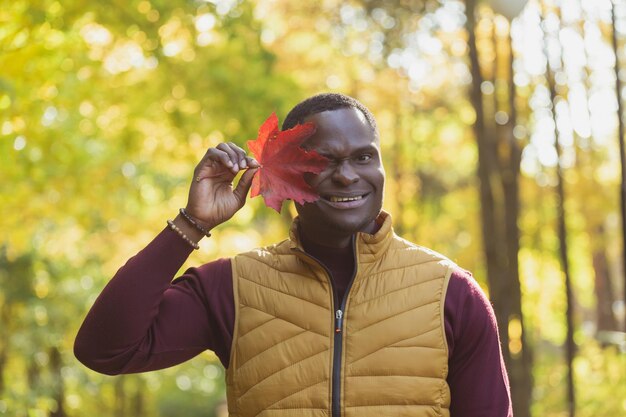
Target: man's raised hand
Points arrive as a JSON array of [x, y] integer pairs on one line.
[[212, 198]]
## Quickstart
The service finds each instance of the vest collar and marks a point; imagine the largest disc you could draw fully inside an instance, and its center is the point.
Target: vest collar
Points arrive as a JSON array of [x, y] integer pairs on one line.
[[369, 247]]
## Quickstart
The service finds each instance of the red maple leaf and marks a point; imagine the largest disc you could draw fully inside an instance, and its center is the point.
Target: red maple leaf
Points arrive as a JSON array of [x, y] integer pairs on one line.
[[283, 163]]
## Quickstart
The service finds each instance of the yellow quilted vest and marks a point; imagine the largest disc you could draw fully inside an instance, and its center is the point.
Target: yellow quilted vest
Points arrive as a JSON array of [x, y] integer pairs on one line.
[[383, 354]]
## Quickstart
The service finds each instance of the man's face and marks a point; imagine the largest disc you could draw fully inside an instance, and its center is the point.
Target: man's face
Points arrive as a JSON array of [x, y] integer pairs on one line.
[[351, 187]]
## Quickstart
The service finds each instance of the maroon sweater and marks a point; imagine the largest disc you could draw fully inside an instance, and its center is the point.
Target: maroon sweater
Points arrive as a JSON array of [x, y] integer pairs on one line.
[[143, 321]]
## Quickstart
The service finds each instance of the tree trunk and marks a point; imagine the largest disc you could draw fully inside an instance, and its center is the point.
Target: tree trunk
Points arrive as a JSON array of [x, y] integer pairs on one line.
[[570, 349], [521, 352], [569, 313], [603, 286], [622, 151], [59, 386], [3, 361], [5, 316], [120, 397], [32, 376], [138, 403], [499, 157], [396, 169], [605, 318], [485, 171]]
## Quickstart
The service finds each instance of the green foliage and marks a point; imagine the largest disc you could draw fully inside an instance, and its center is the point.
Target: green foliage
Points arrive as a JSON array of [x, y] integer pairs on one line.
[[600, 375], [105, 111]]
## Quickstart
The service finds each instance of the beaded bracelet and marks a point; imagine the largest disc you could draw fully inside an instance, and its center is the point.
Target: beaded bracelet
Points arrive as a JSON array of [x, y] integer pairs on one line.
[[194, 223], [182, 235]]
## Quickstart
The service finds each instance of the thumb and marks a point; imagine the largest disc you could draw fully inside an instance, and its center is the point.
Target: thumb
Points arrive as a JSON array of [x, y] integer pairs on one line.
[[245, 182]]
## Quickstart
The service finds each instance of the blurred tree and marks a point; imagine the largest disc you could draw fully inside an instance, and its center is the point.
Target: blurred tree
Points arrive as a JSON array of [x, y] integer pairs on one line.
[[499, 158], [620, 136], [13, 299], [554, 63], [588, 161]]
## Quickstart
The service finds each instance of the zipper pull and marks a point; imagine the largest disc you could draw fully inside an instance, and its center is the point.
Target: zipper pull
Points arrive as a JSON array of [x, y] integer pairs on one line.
[[338, 316]]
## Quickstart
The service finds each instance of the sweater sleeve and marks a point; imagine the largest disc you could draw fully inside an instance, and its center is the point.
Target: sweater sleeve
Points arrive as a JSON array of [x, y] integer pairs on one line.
[[477, 376], [143, 321]]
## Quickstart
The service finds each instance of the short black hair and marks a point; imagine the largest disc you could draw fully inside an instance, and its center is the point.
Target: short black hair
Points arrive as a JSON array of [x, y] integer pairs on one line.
[[326, 102]]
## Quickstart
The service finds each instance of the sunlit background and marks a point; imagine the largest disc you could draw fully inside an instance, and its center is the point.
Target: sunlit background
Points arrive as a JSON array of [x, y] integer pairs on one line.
[[499, 133]]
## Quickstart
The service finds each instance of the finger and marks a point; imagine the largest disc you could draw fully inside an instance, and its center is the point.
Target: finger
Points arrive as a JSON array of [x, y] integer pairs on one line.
[[241, 155], [219, 156], [252, 163], [218, 161], [241, 191], [234, 158]]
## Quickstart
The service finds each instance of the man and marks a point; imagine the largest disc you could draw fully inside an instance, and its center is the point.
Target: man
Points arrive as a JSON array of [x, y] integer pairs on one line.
[[344, 318]]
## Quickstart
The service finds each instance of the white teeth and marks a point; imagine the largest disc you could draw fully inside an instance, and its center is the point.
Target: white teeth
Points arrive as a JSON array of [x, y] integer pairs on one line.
[[335, 199]]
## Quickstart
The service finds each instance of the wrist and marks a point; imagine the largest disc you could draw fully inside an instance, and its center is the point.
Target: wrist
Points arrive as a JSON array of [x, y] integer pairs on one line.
[[192, 217], [188, 230], [194, 222]]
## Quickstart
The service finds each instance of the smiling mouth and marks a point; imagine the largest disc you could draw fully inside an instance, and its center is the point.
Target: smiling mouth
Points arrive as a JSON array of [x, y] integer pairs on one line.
[[335, 199], [345, 202]]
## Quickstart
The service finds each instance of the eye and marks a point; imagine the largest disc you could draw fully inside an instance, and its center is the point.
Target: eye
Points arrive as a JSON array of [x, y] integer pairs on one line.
[[365, 157]]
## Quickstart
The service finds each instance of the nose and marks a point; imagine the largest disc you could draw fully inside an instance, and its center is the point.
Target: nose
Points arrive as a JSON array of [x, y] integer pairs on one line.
[[344, 174]]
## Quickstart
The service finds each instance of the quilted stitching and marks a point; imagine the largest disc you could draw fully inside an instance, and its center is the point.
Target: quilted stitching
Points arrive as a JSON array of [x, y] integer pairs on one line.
[[277, 284]]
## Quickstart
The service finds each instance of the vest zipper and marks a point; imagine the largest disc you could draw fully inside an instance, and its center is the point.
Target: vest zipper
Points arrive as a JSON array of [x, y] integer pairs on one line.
[[338, 345], [338, 316], [338, 342], [337, 348]]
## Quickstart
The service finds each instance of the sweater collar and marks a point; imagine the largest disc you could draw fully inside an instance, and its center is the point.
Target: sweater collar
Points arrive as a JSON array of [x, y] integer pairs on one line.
[[370, 246]]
